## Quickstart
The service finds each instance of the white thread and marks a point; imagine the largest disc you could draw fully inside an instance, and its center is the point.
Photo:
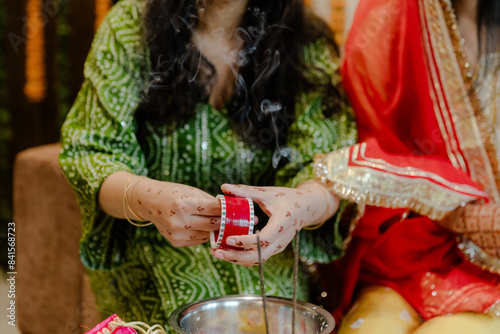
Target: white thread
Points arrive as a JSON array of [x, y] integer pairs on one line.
[[140, 326]]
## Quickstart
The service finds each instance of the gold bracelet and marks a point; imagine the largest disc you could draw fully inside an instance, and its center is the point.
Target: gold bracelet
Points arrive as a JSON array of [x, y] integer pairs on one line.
[[317, 226], [126, 205]]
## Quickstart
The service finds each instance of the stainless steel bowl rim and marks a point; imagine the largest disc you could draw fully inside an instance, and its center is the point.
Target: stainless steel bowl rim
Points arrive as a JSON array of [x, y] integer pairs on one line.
[[174, 316]]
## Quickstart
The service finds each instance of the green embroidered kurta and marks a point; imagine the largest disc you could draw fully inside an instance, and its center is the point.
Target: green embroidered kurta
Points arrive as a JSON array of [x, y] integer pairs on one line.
[[135, 272]]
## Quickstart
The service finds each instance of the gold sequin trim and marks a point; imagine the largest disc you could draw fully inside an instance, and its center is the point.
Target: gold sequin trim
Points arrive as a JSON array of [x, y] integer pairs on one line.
[[477, 256], [353, 224], [367, 186], [494, 311], [455, 105], [488, 96], [458, 42]]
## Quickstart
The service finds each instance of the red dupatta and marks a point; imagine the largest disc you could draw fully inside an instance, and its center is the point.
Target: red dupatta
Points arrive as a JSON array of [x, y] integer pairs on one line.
[[421, 149], [406, 77]]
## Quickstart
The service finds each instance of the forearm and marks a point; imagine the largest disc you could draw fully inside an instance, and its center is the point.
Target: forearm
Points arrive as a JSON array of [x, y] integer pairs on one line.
[[111, 195], [128, 196], [322, 203]]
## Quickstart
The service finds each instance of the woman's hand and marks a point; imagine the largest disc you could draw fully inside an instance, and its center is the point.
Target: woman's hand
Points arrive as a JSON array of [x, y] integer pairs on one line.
[[184, 215], [289, 210]]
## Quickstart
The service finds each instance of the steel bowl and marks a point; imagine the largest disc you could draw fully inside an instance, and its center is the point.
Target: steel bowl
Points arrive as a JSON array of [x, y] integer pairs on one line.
[[244, 314]]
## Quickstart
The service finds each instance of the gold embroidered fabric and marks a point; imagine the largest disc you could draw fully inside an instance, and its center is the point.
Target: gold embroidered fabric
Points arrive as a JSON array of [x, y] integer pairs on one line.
[[466, 114], [382, 184], [455, 105], [472, 108], [494, 311], [441, 297], [487, 94], [479, 257]]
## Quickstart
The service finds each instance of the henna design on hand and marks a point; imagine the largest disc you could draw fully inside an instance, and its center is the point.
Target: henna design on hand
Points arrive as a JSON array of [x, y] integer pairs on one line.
[[295, 222], [184, 196], [172, 213], [187, 227], [200, 209], [299, 193], [288, 214], [297, 205], [260, 189], [281, 229], [279, 194], [160, 191], [239, 243], [159, 212], [264, 244]]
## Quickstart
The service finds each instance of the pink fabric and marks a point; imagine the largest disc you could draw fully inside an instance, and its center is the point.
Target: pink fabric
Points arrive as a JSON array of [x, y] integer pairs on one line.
[[106, 325]]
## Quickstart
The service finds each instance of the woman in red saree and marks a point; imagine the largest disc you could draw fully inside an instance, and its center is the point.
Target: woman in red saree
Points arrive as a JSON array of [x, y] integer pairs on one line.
[[424, 249], [429, 143]]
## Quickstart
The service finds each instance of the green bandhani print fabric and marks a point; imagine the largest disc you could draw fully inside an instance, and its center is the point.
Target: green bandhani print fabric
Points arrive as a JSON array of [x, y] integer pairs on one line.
[[135, 272]]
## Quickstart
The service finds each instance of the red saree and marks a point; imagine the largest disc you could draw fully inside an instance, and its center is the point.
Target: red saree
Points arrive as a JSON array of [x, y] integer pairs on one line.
[[423, 152]]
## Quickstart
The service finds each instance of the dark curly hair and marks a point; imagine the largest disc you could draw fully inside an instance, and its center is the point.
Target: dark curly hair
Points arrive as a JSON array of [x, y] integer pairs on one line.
[[270, 72]]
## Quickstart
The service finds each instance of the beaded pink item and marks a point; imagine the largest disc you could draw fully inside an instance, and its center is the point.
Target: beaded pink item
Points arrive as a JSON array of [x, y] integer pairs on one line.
[[112, 325]]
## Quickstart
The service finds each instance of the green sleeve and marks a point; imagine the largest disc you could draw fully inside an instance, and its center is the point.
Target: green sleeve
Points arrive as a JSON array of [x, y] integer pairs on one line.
[[313, 133], [98, 135]]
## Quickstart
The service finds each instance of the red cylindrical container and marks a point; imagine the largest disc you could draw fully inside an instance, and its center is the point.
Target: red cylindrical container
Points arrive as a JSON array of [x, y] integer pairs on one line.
[[237, 218]]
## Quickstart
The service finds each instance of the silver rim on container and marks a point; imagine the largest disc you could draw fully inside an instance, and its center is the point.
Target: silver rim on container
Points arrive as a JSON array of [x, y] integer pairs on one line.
[[176, 315]]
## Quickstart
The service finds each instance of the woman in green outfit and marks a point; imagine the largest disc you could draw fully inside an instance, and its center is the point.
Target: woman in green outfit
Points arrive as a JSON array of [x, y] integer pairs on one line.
[[179, 98]]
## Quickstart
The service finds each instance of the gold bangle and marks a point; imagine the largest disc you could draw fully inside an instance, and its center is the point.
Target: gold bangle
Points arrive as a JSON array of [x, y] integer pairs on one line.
[[126, 205], [314, 227], [317, 226]]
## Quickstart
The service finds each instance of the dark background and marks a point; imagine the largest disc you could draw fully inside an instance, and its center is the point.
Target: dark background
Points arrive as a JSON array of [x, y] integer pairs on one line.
[[68, 28]]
